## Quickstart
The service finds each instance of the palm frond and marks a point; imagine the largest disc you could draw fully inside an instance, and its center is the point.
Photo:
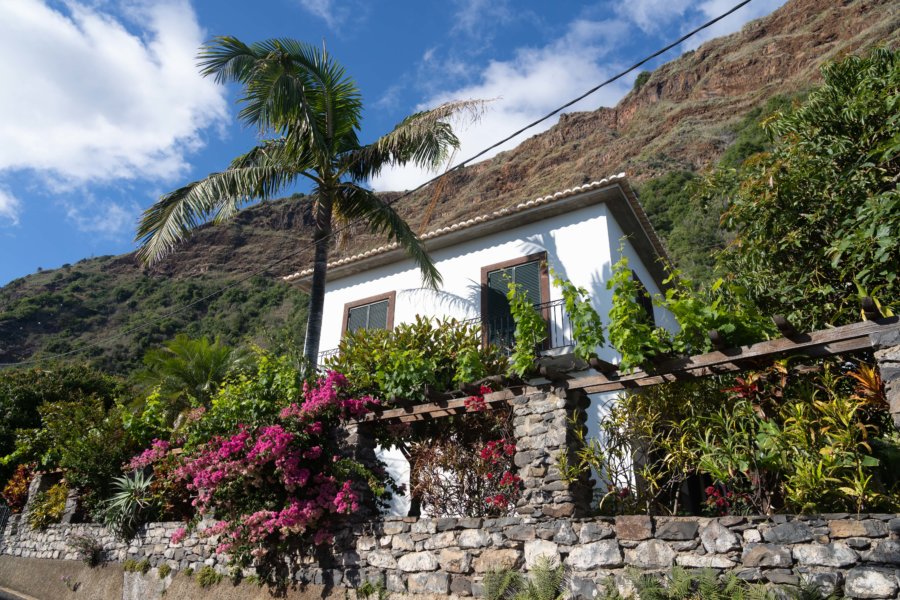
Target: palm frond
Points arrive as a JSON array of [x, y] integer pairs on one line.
[[354, 202], [170, 220], [424, 139]]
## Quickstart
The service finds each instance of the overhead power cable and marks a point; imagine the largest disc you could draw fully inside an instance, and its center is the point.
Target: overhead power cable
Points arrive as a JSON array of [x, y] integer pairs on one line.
[[406, 194]]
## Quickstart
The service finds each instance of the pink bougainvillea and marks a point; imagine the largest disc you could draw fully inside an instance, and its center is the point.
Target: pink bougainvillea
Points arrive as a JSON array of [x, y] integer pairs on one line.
[[282, 482]]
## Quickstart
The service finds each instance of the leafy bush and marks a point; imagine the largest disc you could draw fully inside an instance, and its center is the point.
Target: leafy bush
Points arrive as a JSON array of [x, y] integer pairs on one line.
[[641, 79], [530, 333], [817, 217], [164, 570], [812, 452], [90, 549], [129, 505], [282, 485], [23, 392], [48, 506], [208, 577], [15, 492], [778, 440], [415, 359], [587, 328]]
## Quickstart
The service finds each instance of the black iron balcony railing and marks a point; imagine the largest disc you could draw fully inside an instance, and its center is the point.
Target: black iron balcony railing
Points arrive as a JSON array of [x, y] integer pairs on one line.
[[500, 331]]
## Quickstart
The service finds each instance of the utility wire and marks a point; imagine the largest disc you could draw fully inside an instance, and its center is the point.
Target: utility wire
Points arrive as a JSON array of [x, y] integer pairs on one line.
[[406, 194]]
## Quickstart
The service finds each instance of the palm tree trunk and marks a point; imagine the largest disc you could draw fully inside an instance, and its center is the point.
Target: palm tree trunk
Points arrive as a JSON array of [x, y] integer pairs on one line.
[[317, 287]]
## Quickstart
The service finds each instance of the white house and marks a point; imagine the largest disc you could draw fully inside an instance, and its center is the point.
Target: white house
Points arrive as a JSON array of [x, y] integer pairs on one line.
[[577, 232]]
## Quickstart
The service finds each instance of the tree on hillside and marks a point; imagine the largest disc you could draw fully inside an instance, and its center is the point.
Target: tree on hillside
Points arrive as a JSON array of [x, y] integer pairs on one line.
[[301, 97], [817, 219]]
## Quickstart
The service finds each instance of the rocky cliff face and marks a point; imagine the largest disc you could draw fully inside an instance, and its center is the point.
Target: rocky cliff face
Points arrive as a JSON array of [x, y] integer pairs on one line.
[[680, 119]]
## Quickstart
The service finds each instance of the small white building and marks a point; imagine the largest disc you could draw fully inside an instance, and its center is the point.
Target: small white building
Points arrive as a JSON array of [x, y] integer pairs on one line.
[[577, 232]]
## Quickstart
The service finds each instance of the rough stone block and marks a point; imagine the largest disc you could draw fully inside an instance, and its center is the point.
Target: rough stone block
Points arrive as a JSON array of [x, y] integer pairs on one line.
[[870, 582], [852, 528], [474, 538], [837, 554], [428, 583], [417, 561], [634, 527], [706, 561], [498, 560], [651, 554], [455, 561], [887, 552], [676, 529], [766, 555], [794, 532], [719, 539], [605, 553], [592, 531], [536, 549]]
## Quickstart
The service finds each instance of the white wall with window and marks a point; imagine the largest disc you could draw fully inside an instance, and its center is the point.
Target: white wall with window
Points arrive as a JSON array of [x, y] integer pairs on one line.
[[579, 244]]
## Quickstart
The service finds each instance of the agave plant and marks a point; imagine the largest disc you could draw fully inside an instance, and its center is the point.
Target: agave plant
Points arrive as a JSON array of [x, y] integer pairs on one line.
[[129, 504]]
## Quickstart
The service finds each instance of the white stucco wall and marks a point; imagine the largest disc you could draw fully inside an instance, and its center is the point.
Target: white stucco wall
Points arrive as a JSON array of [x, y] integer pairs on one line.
[[581, 246]]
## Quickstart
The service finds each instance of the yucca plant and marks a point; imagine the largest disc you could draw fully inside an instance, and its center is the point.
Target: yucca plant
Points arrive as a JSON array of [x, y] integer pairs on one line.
[[125, 510]]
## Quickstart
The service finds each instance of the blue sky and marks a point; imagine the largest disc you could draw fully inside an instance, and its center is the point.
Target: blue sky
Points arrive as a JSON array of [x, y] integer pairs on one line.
[[102, 109]]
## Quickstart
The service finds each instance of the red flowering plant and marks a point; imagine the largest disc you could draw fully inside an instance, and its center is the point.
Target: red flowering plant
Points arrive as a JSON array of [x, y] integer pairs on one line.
[[15, 492], [466, 468], [284, 485]]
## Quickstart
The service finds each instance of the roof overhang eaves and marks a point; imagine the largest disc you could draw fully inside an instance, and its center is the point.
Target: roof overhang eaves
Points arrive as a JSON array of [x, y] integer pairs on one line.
[[615, 191]]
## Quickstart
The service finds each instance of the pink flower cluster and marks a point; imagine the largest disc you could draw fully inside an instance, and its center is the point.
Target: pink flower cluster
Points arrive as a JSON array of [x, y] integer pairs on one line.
[[178, 535], [281, 465], [327, 395], [155, 453]]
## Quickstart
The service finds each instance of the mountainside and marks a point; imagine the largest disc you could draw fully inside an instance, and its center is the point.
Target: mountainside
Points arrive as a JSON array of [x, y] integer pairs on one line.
[[683, 118]]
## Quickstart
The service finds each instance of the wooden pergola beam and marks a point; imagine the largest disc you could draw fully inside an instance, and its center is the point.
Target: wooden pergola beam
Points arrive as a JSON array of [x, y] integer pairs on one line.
[[827, 342]]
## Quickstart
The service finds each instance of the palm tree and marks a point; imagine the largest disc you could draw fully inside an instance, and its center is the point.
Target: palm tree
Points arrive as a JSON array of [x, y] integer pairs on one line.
[[189, 371], [303, 99]]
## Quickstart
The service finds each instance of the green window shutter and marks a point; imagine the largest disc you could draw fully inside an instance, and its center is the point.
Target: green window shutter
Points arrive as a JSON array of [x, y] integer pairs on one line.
[[368, 316], [528, 276]]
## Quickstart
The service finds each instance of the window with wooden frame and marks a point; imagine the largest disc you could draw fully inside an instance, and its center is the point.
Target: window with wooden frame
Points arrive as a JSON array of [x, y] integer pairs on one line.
[[531, 274], [375, 312]]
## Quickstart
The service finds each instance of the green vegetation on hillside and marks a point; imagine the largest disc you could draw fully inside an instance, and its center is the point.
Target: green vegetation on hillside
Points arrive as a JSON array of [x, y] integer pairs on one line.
[[689, 223], [59, 311]]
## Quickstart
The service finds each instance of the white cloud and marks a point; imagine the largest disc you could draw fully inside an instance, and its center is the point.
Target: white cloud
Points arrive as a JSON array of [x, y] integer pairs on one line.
[[325, 10], [652, 15], [107, 219], [97, 97], [475, 16], [10, 206], [531, 84]]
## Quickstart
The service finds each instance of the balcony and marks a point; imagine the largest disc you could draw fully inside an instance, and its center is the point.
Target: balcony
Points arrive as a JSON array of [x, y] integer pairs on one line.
[[501, 331]]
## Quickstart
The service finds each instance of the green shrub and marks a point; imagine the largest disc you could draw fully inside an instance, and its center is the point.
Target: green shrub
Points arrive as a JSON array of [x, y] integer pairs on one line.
[[48, 506], [641, 79], [130, 565], [530, 333], [189, 572], [208, 577], [415, 359], [683, 584], [164, 570], [143, 567]]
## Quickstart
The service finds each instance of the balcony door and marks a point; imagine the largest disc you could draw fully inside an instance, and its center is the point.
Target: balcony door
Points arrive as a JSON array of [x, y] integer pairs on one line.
[[530, 273]]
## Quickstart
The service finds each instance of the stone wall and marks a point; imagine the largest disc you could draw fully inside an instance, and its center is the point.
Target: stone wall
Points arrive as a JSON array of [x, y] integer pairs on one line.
[[858, 553]]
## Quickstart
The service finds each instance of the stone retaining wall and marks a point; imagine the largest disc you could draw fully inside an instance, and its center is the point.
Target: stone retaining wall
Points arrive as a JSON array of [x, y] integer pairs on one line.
[[859, 554]]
